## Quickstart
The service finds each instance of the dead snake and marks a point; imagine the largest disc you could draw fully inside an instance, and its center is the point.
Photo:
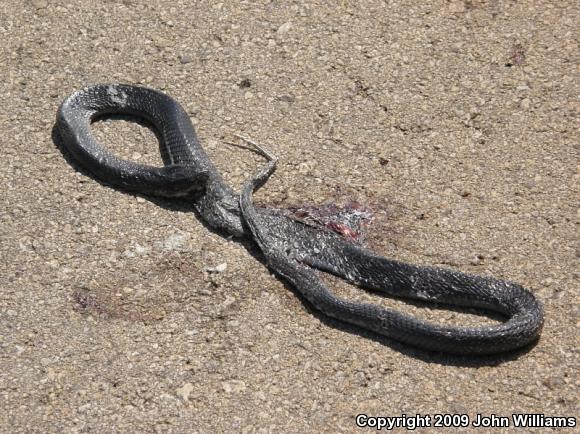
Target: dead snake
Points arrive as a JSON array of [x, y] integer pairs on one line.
[[293, 250]]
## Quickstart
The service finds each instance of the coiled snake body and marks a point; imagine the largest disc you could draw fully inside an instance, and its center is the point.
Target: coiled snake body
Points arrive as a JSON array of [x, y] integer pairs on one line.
[[294, 250]]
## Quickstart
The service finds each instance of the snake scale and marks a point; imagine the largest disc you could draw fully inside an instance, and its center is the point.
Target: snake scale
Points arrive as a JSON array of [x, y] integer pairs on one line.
[[292, 249]]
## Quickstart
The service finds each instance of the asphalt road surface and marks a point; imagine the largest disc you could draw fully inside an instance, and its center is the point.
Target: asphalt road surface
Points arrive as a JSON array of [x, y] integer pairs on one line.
[[454, 123]]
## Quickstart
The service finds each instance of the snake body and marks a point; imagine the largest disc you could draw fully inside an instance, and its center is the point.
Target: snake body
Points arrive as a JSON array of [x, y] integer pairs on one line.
[[294, 250]]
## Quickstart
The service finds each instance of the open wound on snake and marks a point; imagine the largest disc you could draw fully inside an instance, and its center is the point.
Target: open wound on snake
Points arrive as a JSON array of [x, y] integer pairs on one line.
[[348, 220]]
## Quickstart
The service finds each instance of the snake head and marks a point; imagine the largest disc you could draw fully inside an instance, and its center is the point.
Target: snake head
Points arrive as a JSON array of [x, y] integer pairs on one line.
[[182, 180]]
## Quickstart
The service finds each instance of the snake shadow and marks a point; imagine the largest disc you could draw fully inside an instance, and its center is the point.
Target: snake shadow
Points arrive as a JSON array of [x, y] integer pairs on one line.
[[186, 205]]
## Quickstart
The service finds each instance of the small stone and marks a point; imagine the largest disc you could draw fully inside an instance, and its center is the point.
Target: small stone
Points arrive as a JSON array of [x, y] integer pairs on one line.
[[174, 242], [234, 386], [525, 104], [283, 29], [475, 261], [185, 59], [218, 268], [227, 304], [457, 7], [141, 250], [287, 98], [40, 4], [184, 391], [554, 383], [160, 42], [361, 379]]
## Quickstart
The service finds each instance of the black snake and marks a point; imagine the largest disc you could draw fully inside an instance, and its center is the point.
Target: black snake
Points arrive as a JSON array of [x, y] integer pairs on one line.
[[293, 249]]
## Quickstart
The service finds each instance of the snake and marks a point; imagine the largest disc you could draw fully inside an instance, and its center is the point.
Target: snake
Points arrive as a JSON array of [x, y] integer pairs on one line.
[[297, 252]]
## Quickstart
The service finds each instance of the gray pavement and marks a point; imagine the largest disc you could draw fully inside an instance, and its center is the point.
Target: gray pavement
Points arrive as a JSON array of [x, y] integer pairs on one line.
[[455, 122]]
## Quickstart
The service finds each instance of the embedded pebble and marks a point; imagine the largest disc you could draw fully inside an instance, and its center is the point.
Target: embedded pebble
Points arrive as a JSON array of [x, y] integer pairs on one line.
[[218, 268], [184, 391]]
